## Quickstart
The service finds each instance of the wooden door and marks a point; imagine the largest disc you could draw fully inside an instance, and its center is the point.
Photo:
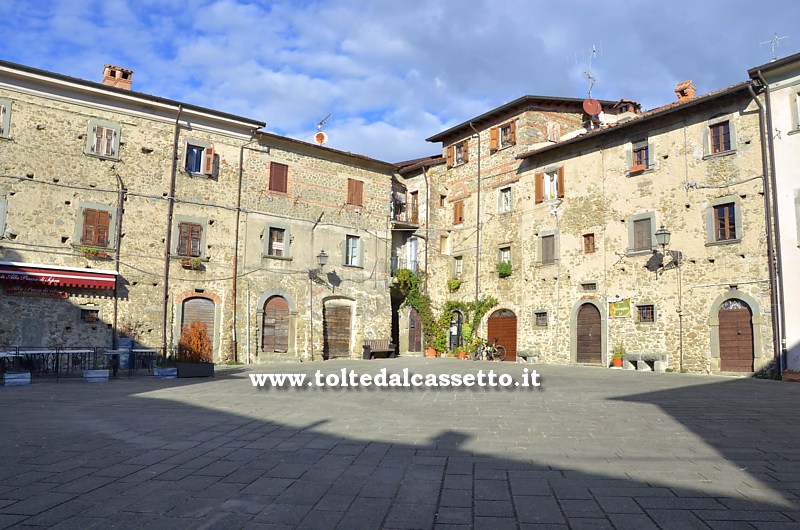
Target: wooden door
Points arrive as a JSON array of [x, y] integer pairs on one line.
[[415, 207], [589, 334], [336, 331], [414, 331], [735, 337], [199, 310], [275, 325], [503, 326]]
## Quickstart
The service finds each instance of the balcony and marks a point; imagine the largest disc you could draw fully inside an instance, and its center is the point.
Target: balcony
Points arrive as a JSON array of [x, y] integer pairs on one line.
[[400, 263], [405, 210]]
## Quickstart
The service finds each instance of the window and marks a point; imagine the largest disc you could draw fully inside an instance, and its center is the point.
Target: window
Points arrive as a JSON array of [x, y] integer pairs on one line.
[[589, 286], [641, 232], [458, 267], [442, 199], [548, 249], [277, 244], [415, 207], [90, 315], [503, 136], [549, 185], [504, 200], [103, 139], [5, 117], [457, 154], [553, 131], [641, 156], [504, 255], [353, 252], [540, 319], [646, 313], [795, 111], [588, 243], [355, 192], [278, 177], [458, 213], [190, 236], [201, 159], [724, 220], [96, 227], [444, 245], [720, 135]]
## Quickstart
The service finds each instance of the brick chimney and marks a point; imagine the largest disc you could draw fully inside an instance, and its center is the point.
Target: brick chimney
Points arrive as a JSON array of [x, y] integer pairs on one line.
[[118, 77], [685, 91]]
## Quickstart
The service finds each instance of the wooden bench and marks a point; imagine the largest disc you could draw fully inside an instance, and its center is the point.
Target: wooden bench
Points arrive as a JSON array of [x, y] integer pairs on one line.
[[378, 348]]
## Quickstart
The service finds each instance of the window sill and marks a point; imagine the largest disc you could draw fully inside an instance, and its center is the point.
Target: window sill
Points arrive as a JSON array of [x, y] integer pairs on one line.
[[636, 171], [278, 258], [708, 156], [197, 175], [795, 131], [102, 157], [176, 257], [548, 263], [723, 242], [353, 266], [644, 252]]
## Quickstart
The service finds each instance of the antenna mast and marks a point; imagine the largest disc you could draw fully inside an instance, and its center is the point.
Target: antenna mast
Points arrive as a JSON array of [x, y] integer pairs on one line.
[[774, 42], [587, 73]]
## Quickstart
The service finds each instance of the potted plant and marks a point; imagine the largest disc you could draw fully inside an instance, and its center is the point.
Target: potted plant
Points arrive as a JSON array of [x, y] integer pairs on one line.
[[94, 253], [616, 358], [453, 284], [194, 352], [504, 269], [192, 263]]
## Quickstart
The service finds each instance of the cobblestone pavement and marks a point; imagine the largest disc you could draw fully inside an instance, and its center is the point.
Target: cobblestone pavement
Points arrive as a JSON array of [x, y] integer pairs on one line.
[[590, 448]]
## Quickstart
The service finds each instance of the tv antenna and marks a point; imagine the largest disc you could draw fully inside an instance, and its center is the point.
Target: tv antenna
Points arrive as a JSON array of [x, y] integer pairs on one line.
[[320, 137], [590, 56], [774, 42], [322, 122]]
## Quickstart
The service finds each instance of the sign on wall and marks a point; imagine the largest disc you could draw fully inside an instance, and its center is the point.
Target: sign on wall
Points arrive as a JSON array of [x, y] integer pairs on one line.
[[619, 308]]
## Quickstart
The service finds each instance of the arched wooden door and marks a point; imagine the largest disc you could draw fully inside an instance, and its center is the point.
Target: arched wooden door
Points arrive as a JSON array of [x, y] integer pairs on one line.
[[735, 337], [275, 325], [199, 310], [414, 331], [336, 330], [502, 325], [589, 335]]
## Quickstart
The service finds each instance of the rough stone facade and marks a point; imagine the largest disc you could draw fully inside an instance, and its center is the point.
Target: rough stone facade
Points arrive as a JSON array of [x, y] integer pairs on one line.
[[50, 174], [602, 197]]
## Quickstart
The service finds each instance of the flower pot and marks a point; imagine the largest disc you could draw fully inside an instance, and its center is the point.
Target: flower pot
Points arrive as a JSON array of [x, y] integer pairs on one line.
[[431, 353], [462, 354], [616, 362], [195, 369]]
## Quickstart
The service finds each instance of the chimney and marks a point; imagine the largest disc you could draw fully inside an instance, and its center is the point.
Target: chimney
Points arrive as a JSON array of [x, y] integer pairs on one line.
[[118, 77], [685, 91]]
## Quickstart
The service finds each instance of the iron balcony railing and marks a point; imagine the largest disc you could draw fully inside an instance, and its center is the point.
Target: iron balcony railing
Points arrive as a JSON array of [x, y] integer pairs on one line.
[[401, 263]]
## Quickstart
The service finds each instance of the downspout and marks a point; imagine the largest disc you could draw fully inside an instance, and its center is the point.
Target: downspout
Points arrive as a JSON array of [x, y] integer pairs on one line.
[[776, 228], [427, 225], [120, 201], [234, 342], [168, 238], [768, 189], [478, 223]]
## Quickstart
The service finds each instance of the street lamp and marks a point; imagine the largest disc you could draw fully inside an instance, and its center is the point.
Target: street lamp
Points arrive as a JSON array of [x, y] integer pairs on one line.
[[322, 259], [662, 238]]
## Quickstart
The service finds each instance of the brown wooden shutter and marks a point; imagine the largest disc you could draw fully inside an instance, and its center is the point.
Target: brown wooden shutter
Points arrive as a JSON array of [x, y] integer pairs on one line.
[[278, 177], [196, 236], [539, 187], [199, 310], [493, 139], [466, 150], [449, 156], [560, 184], [458, 212], [513, 126], [208, 161], [355, 192], [183, 239], [103, 222], [89, 236]]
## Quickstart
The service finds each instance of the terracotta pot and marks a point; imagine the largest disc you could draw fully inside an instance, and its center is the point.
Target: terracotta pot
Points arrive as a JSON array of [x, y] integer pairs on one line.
[[461, 354], [431, 352], [616, 362]]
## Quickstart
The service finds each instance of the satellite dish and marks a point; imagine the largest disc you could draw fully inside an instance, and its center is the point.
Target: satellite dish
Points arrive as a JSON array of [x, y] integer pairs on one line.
[[592, 107], [320, 138]]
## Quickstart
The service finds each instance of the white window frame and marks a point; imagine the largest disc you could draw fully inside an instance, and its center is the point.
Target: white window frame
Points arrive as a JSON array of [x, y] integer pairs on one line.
[[104, 149], [353, 251], [458, 266], [505, 200], [504, 254], [205, 149]]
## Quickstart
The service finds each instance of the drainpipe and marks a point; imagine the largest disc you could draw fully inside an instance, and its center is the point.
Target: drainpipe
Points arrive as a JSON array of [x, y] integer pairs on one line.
[[478, 231], [168, 238], [769, 189], [776, 227], [427, 225], [235, 344], [120, 201]]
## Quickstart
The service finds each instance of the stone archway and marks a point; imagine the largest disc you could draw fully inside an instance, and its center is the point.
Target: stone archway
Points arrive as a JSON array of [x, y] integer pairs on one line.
[[502, 325], [290, 325], [760, 359], [595, 314]]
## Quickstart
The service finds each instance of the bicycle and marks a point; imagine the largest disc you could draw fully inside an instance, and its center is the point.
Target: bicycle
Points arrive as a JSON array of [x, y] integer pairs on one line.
[[492, 352]]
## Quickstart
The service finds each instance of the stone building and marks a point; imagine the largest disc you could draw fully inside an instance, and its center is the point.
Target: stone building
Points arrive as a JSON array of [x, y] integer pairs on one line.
[[126, 212], [781, 82], [572, 195]]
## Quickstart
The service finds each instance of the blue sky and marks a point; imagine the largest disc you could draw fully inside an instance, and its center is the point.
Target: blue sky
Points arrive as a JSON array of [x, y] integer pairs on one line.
[[392, 73]]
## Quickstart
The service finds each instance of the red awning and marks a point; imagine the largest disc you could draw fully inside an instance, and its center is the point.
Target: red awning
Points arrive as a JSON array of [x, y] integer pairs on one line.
[[53, 276]]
